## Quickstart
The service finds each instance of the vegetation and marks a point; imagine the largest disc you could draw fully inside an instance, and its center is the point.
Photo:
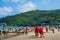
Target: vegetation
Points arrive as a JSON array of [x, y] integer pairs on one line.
[[34, 17]]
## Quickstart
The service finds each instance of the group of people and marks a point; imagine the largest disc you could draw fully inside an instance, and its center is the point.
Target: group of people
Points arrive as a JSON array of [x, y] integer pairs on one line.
[[25, 30], [5, 33], [38, 30]]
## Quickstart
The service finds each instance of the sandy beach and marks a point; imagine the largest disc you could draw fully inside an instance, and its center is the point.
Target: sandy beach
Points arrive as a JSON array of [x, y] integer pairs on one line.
[[30, 36]]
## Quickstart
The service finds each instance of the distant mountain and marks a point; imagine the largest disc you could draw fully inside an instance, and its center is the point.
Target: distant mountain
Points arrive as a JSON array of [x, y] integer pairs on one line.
[[34, 17]]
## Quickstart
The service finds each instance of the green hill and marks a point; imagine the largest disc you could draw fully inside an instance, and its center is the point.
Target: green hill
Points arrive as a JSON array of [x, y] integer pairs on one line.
[[34, 17]]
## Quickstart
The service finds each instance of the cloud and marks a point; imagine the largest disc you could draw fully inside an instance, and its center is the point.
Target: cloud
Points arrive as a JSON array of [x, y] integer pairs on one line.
[[26, 7], [5, 11], [14, 0]]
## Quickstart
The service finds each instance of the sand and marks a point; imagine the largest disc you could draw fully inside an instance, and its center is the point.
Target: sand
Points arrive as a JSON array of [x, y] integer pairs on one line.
[[30, 36]]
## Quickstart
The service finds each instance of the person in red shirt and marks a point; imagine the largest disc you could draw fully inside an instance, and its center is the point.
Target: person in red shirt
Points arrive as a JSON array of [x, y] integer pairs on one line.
[[41, 31], [36, 31], [26, 30]]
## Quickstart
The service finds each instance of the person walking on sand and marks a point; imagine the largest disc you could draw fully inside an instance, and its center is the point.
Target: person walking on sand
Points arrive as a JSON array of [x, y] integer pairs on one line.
[[26, 30], [36, 31], [0, 32], [46, 29], [53, 30], [0, 38], [41, 31]]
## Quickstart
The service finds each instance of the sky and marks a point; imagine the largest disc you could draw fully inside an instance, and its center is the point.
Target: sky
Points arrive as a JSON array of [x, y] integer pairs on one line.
[[13, 7]]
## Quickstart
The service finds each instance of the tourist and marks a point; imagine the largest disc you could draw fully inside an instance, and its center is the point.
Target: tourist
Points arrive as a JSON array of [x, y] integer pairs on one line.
[[16, 30], [36, 31], [53, 30], [46, 29], [26, 30], [0, 32], [0, 38], [41, 31], [5, 33]]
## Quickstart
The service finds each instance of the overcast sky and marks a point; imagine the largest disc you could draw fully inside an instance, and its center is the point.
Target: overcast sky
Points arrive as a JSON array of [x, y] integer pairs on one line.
[[12, 7]]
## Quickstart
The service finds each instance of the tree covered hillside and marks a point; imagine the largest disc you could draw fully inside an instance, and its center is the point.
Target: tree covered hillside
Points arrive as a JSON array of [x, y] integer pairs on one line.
[[34, 17]]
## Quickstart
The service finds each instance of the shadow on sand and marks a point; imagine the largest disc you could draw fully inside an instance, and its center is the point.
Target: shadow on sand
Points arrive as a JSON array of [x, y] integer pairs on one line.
[[33, 37]]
